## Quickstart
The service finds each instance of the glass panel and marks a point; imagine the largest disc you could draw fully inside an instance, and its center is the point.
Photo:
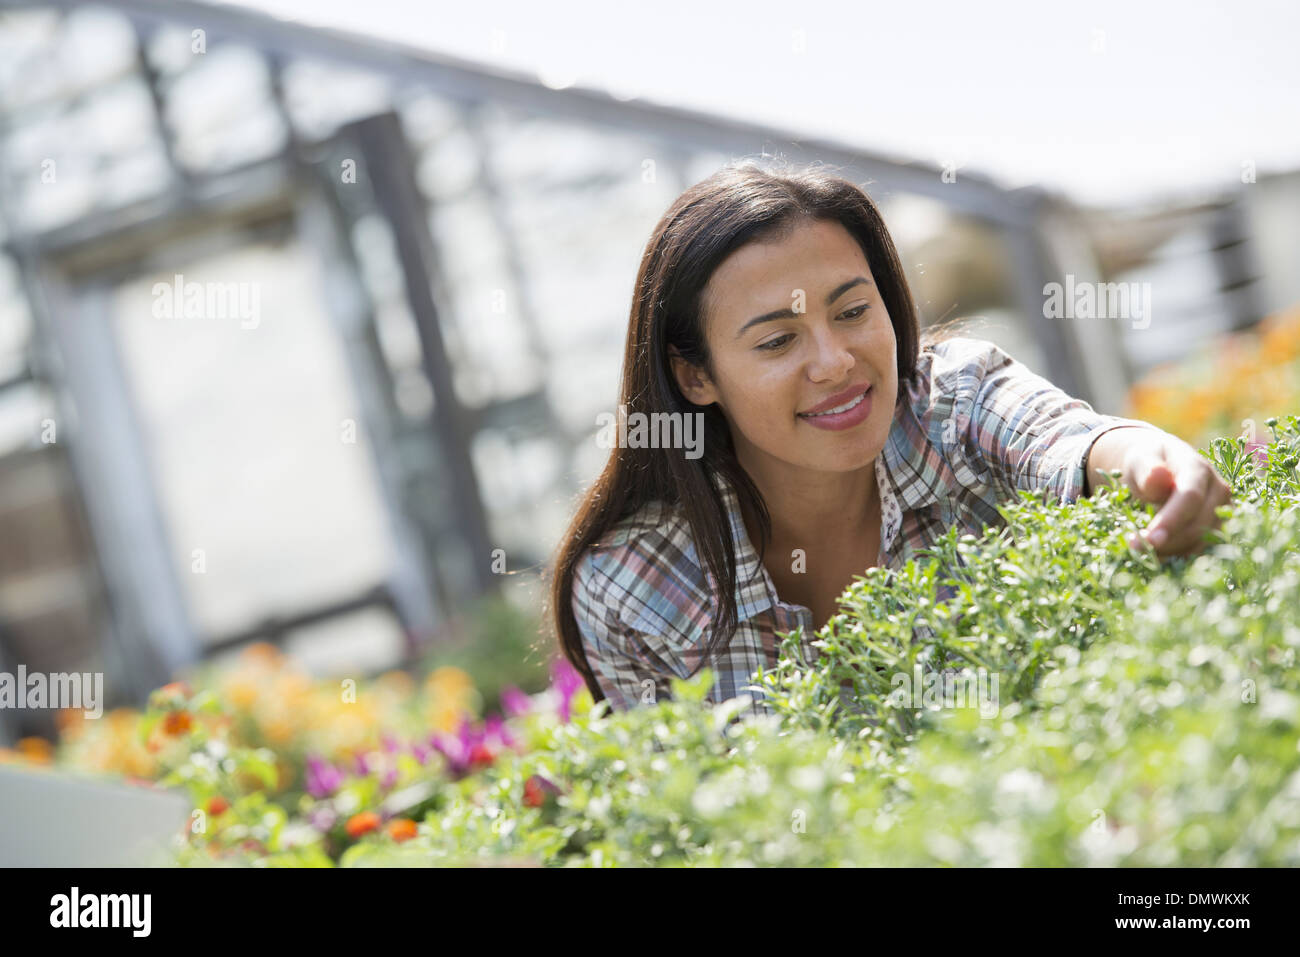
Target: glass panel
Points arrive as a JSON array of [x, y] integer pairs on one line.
[[270, 509], [321, 97], [222, 112]]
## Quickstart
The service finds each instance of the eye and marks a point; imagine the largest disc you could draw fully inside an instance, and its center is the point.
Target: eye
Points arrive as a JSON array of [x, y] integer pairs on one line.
[[855, 312], [773, 344]]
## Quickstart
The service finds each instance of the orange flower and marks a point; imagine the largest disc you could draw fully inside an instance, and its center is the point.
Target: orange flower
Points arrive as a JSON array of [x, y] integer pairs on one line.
[[217, 805], [37, 750], [70, 722], [263, 652], [177, 722], [362, 823], [401, 829]]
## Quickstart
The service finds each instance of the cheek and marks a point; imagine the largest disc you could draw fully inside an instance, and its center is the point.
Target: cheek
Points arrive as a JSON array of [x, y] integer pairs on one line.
[[761, 396]]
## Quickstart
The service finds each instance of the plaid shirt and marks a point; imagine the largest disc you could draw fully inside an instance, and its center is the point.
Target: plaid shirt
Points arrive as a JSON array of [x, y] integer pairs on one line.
[[976, 426]]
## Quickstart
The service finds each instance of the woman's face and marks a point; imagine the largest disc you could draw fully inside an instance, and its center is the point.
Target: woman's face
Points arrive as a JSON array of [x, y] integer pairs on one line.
[[792, 325]]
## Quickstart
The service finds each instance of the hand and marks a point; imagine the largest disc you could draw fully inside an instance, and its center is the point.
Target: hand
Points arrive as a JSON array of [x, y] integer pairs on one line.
[[1165, 471]]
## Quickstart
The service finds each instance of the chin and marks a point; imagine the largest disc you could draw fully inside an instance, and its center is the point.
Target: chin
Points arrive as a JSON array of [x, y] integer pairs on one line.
[[849, 459]]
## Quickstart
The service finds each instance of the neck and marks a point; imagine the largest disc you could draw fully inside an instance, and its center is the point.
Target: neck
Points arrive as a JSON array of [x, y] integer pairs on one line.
[[816, 507]]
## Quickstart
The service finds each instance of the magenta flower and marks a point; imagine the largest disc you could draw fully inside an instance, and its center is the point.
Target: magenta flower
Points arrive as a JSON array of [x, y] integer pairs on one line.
[[472, 746], [323, 779], [455, 748], [567, 682], [496, 731], [514, 702]]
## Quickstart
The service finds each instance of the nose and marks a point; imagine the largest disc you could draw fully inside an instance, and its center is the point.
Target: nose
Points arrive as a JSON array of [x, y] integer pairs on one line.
[[831, 359]]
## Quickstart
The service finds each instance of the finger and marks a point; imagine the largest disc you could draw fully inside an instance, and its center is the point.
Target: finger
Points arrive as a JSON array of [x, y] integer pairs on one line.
[[1191, 488], [1192, 538], [1153, 480]]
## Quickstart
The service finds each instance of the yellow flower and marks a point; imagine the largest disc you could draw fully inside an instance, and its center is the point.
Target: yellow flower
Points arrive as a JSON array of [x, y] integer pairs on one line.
[[448, 680], [240, 692]]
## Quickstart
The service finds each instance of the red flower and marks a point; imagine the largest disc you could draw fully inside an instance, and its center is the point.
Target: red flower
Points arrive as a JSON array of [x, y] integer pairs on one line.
[[480, 755], [217, 805], [402, 829], [535, 790], [177, 722], [362, 823]]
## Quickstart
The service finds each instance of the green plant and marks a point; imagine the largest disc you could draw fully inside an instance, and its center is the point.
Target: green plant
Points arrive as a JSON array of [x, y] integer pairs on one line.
[[1150, 717]]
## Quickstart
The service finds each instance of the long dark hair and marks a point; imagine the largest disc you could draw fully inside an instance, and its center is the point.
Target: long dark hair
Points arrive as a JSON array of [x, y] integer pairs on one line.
[[741, 203]]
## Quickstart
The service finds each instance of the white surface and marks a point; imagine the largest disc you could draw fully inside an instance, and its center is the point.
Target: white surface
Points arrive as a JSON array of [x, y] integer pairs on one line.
[[51, 819]]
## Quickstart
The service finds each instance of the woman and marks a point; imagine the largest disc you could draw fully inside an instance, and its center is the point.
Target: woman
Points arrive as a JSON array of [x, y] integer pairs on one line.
[[774, 307]]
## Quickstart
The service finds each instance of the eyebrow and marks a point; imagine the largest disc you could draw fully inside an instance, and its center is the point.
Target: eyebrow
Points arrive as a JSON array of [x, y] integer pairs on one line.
[[834, 294]]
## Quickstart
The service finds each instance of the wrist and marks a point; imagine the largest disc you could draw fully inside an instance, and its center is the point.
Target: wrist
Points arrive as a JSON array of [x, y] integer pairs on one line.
[[1109, 450]]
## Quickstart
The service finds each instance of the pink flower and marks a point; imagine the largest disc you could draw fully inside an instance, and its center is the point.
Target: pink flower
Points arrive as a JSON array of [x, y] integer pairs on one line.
[[567, 683]]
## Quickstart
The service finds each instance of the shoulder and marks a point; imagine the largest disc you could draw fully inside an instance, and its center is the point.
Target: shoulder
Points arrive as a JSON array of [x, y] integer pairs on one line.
[[943, 393], [958, 364], [644, 570], [956, 380]]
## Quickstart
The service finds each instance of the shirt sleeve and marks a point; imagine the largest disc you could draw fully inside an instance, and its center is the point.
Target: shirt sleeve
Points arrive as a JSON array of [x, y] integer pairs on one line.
[[614, 651], [1018, 428]]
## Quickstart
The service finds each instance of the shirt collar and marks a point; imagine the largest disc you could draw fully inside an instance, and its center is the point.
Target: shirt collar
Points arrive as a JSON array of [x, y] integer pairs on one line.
[[752, 596], [906, 457]]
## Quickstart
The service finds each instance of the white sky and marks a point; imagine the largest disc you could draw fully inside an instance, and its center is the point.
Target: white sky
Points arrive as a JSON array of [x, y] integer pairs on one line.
[[1177, 98]]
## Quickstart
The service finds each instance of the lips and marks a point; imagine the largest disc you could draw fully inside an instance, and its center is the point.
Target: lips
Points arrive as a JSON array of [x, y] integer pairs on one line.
[[838, 399]]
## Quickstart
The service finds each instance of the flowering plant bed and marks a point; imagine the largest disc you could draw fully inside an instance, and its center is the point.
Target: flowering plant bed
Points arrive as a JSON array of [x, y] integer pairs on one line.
[[1119, 711], [1226, 387]]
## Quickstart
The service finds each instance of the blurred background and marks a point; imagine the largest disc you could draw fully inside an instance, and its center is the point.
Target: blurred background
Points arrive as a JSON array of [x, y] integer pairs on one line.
[[428, 222]]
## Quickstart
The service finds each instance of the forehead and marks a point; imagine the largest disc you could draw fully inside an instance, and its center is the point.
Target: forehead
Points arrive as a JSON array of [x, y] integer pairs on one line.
[[761, 276]]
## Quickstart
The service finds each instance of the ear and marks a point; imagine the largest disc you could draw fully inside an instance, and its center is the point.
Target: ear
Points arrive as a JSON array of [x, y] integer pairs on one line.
[[692, 380]]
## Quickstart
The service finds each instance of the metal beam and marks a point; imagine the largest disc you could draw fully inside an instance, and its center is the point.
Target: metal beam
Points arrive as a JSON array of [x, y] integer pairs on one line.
[[391, 177]]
